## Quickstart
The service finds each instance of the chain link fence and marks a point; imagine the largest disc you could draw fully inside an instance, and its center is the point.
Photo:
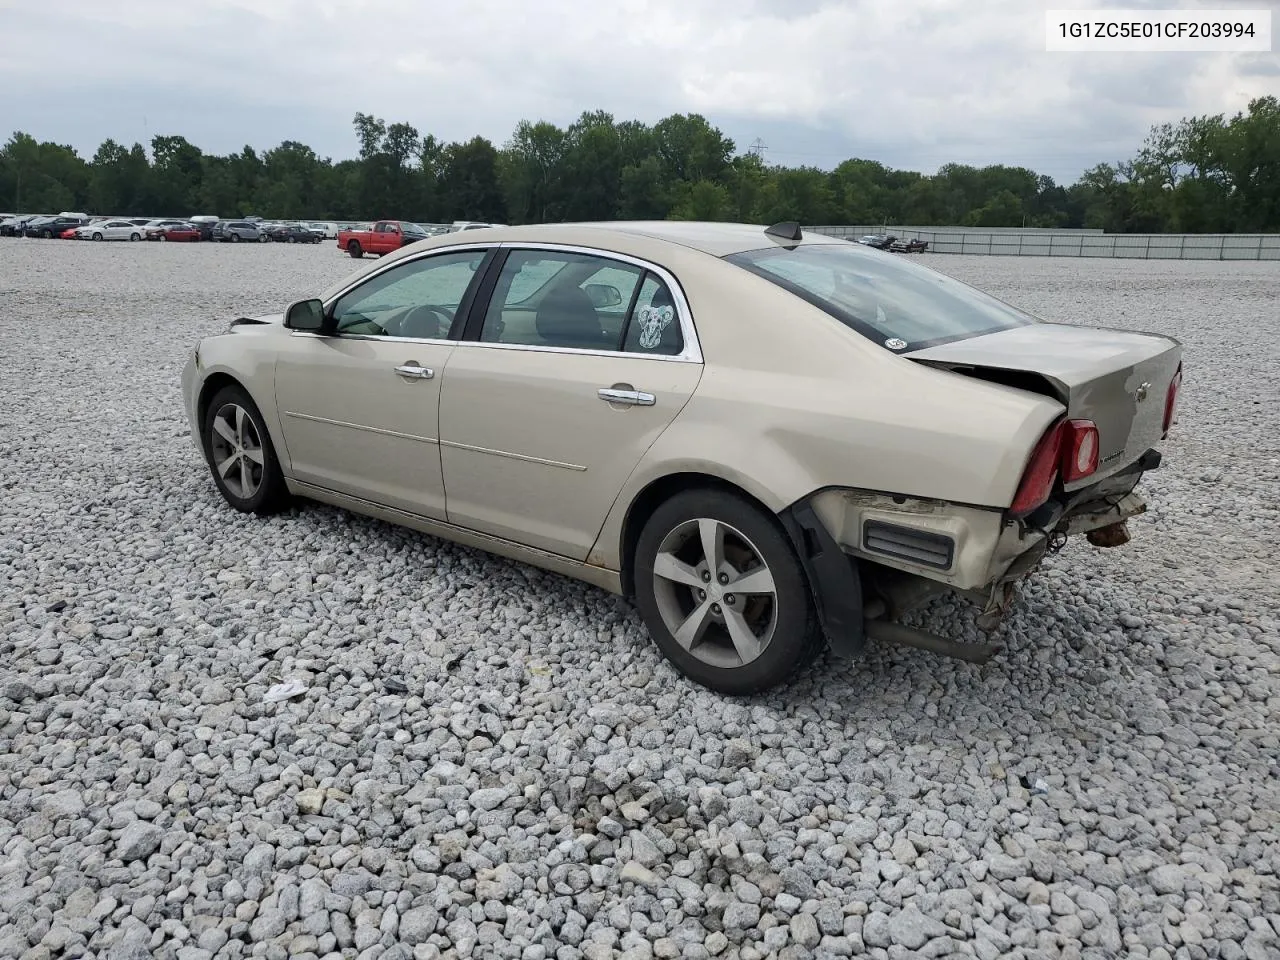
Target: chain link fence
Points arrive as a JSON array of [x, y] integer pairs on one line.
[[1013, 241]]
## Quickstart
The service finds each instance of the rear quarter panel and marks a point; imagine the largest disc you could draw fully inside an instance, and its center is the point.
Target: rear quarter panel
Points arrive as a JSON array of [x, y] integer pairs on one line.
[[791, 402]]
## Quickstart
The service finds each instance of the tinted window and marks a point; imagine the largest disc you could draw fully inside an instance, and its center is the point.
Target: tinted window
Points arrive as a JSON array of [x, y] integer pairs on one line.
[[882, 296], [418, 299], [559, 299]]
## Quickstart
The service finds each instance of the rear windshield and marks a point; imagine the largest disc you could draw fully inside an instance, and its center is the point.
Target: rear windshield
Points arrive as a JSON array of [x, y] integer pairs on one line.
[[882, 295]]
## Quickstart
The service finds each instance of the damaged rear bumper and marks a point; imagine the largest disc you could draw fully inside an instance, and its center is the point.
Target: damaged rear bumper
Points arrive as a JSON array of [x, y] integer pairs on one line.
[[873, 554]]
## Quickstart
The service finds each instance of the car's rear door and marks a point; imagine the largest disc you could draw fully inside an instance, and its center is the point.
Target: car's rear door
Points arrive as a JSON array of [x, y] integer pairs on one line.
[[573, 364], [360, 408]]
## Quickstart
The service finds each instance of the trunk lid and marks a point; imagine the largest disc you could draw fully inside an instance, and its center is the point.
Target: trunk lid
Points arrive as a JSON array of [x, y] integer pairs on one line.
[[1116, 378]]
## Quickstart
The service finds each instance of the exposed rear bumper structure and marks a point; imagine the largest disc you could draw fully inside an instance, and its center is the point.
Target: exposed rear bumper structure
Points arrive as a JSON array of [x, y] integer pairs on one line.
[[870, 558]]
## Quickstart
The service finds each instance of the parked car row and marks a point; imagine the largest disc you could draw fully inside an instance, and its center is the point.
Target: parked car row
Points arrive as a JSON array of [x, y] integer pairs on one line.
[[78, 226], [379, 238], [882, 241]]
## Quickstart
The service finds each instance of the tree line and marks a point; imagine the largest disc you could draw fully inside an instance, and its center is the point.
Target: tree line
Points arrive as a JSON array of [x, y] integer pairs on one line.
[[1204, 174]]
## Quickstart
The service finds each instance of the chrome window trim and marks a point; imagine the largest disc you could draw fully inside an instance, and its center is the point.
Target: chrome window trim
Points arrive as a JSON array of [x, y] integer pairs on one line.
[[691, 352], [364, 278], [377, 338], [692, 349]]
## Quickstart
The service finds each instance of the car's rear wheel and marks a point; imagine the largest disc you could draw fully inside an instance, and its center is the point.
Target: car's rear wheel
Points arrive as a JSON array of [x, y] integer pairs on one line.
[[354, 249], [723, 593], [240, 454]]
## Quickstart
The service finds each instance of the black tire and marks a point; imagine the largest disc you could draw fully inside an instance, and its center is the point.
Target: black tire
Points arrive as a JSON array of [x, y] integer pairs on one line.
[[796, 638], [270, 494], [355, 249], [48, 234], [134, 237], [235, 238], [97, 236]]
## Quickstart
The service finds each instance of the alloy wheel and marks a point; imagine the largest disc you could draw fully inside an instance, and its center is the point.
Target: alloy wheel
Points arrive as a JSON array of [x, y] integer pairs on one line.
[[237, 450], [715, 593]]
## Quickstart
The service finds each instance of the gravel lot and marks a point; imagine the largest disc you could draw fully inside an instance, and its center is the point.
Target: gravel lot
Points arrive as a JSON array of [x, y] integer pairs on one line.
[[491, 761]]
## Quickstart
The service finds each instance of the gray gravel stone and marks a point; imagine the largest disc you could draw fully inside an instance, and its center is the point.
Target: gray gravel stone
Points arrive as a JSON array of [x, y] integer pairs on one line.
[[417, 925], [912, 929], [741, 916], [804, 930], [138, 841]]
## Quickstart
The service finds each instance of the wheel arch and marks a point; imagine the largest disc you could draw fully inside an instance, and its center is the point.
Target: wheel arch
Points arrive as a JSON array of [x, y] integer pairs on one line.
[[833, 581], [656, 493], [212, 384]]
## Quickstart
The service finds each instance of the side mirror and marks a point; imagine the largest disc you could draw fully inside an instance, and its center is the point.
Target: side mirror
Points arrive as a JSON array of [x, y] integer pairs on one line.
[[603, 294], [305, 315]]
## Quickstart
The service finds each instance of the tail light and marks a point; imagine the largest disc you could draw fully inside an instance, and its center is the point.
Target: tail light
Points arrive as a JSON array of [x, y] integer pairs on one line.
[[1041, 473], [1079, 450], [1171, 401], [1069, 447]]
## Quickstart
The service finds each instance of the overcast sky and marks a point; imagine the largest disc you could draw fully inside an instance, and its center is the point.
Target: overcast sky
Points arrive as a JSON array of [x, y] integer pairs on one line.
[[912, 83]]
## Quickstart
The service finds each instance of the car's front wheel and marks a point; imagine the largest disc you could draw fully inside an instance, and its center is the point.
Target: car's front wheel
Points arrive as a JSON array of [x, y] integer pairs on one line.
[[723, 594], [240, 454]]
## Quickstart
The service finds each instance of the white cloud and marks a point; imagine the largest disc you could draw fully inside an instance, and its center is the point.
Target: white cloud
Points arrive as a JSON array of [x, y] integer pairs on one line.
[[928, 82]]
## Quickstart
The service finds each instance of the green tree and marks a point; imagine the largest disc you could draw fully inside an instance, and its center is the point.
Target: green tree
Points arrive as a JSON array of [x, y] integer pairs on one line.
[[469, 185], [530, 172]]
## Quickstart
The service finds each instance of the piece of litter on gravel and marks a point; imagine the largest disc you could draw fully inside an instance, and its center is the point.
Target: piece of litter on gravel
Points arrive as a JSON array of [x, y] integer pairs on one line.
[[395, 686], [284, 691], [1039, 787]]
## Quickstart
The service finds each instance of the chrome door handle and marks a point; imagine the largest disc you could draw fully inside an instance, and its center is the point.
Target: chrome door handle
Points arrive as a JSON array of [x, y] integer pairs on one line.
[[633, 397], [415, 371]]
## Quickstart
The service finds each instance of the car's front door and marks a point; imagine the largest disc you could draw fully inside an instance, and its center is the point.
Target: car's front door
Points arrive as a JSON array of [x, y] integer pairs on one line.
[[360, 408], [570, 371]]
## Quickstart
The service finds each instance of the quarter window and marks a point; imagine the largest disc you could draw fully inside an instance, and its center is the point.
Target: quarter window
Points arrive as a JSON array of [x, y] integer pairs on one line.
[[419, 299]]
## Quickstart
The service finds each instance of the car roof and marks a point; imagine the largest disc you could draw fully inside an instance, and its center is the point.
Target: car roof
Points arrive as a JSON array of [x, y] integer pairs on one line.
[[716, 239], [663, 242]]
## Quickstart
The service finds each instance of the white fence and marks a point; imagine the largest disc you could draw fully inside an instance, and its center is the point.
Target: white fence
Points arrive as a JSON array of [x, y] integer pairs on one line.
[[1017, 242]]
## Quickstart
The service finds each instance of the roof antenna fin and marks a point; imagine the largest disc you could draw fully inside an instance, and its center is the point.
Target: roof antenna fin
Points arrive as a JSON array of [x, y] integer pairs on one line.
[[788, 230]]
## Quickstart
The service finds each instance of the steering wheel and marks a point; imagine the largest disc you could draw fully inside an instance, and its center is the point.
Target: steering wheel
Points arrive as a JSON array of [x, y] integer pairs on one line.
[[426, 322]]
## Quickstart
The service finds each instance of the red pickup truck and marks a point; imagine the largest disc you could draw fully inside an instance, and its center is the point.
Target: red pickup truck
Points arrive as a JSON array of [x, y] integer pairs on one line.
[[387, 236]]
